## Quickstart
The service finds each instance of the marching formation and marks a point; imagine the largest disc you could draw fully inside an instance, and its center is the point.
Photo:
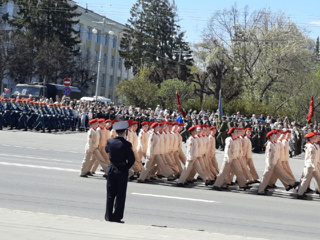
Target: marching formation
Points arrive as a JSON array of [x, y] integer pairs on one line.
[[27, 114], [158, 152]]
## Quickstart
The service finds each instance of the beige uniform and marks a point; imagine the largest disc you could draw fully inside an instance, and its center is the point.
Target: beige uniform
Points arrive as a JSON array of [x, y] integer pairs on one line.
[[104, 136], [230, 163], [285, 160], [310, 167], [142, 143], [153, 157], [167, 143], [91, 150], [192, 161], [133, 138], [182, 156], [212, 153], [247, 151], [175, 151], [273, 166], [242, 160]]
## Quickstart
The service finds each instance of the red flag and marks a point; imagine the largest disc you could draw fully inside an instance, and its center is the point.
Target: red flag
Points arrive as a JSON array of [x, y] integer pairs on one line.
[[311, 111], [179, 105]]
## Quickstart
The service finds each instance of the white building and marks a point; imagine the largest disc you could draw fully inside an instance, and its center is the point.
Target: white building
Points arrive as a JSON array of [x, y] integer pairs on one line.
[[112, 69]]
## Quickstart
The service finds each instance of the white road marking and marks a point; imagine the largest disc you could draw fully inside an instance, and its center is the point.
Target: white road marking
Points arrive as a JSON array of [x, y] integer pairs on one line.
[[37, 158], [41, 167], [172, 197], [44, 149]]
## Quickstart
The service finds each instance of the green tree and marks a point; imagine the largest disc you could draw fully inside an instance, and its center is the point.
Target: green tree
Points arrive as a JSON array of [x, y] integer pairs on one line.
[[20, 57], [167, 92], [265, 56], [153, 39], [138, 91], [48, 20]]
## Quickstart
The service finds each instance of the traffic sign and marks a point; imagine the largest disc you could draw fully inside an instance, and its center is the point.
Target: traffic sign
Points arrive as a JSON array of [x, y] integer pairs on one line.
[[66, 91], [67, 82]]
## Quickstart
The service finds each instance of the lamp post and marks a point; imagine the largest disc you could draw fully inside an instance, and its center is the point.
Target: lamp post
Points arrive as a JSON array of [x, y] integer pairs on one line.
[[95, 31]]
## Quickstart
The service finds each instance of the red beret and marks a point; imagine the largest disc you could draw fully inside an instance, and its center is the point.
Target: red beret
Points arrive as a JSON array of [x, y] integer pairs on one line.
[[154, 125], [107, 121], [144, 123], [175, 123], [134, 122], [192, 128], [231, 130], [114, 121], [248, 129], [271, 132], [241, 128], [169, 123], [181, 124], [310, 135], [288, 131], [199, 125], [214, 127], [101, 120], [93, 121]]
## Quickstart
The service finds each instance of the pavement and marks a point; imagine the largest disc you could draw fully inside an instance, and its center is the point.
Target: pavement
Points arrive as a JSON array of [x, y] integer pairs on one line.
[[25, 225]]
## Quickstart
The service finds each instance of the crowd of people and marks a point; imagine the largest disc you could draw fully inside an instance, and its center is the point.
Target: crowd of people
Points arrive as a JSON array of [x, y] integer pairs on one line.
[[46, 116]]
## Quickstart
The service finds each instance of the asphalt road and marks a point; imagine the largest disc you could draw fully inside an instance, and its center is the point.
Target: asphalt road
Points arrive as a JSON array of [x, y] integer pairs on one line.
[[39, 172]]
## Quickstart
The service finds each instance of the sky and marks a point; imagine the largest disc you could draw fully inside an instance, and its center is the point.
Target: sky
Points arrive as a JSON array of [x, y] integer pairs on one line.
[[195, 14]]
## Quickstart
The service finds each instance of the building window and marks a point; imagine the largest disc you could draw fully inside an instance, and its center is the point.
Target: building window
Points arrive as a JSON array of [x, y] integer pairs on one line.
[[103, 82], [112, 62], [111, 82], [114, 42], [98, 37], [89, 33], [96, 57], [118, 80], [105, 59], [120, 63], [106, 40]]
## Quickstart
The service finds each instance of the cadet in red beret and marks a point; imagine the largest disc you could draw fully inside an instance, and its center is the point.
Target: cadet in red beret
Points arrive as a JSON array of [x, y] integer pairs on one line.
[[91, 150], [273, 165], [310, 164]]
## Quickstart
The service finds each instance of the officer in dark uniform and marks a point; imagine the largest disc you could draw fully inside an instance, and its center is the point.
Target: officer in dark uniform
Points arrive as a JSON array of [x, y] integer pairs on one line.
[[121, 160]]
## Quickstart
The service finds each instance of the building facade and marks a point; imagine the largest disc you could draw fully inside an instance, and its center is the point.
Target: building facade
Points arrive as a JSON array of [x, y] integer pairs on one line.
[[112, 69]]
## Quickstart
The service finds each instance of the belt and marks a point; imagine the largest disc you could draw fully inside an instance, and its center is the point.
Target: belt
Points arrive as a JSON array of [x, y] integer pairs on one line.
[[118, 164]]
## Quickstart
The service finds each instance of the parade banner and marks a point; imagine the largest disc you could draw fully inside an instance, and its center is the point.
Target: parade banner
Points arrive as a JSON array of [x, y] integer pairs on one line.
[[311, 111], [179, 105]]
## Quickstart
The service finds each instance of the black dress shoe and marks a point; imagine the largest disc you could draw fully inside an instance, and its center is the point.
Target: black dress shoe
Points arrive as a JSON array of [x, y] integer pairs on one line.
[[296, 184], [180, 185], [262, 193], [309, 190], [89, 174], [256, 181], [84, 175], [217, 188], [245, 188]]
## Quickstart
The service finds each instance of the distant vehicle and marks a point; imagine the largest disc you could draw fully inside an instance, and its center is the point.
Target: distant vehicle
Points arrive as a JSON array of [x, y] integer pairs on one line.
[[50, 90], [91, 99]]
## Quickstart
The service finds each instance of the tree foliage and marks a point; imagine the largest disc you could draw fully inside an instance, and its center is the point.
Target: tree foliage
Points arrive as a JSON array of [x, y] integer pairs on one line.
[[139, 91], [48, 20], [167, 92], [153, 38], [255, 57]]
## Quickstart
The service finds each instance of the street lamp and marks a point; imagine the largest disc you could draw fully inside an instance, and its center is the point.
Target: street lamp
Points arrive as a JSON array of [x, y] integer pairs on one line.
[[95, 31]]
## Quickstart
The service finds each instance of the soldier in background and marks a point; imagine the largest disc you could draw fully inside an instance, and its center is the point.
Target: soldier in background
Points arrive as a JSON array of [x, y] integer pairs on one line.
[[223, 130]]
